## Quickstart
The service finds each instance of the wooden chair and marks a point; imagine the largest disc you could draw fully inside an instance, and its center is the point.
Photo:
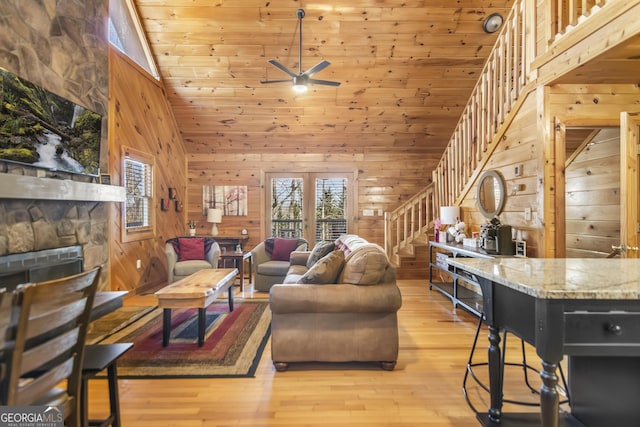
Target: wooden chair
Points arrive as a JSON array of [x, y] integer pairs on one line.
[[97, 358], [5, 311], [45, 343]]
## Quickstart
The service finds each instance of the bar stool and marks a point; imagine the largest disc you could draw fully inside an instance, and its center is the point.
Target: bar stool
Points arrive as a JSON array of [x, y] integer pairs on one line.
[[97, 358], [525, 369]]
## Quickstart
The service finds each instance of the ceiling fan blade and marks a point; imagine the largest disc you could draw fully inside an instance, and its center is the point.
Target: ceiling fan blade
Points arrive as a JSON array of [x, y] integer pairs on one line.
[[276, 81], [282, 67], [323, 82], [317, 68]]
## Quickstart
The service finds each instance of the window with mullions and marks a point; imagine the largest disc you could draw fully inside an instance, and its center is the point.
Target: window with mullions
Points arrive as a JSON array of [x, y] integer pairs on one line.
[[138, 183]]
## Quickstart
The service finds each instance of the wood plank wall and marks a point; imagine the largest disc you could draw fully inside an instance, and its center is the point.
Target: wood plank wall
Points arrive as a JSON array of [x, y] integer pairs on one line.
[[384, 180], [141, 118], [519, 147], [574, 106], [593, 197]]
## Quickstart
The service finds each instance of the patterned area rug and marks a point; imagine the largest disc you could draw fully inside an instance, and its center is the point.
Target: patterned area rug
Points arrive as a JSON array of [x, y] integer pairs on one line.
[[233, 345]]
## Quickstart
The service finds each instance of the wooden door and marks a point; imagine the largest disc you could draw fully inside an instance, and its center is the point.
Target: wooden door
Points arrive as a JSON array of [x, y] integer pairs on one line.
[[629, 183], [315, 206]]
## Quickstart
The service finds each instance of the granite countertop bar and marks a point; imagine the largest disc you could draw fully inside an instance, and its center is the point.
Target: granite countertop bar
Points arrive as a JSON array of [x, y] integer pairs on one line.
[[560, 278]]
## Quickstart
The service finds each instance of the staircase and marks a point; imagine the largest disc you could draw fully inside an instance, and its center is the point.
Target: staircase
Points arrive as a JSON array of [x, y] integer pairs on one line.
[[406, 234], [506, 77]]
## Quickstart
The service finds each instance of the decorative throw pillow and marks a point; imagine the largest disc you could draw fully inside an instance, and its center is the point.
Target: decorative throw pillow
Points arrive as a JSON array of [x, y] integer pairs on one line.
[[320, 250], [326, 270], [191, 248], [366, 266], [282, 248]]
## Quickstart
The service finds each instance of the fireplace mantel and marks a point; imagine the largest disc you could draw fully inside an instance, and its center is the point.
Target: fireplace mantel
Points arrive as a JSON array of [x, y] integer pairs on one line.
[[30, 187]]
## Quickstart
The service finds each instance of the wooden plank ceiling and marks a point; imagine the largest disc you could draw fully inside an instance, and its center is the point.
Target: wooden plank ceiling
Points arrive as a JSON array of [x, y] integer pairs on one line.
[[406, 67]]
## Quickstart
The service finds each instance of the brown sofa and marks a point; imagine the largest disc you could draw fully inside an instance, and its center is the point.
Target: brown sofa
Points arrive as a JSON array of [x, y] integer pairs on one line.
[[351, 320]]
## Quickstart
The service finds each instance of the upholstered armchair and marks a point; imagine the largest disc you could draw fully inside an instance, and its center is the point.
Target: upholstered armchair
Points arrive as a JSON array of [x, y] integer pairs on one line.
[[271, 260], [186, 255]]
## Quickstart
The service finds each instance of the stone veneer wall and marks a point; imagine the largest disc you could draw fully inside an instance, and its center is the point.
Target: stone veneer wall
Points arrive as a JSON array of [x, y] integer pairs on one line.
[[27, 226], [62, 46]]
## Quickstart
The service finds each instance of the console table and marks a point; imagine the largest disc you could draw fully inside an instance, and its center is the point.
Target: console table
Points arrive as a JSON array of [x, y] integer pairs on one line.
[[466, 297], [588, 309]]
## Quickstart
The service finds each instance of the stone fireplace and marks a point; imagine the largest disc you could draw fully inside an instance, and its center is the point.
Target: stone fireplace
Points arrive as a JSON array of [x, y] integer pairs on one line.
[[40, 266], [42, 235]]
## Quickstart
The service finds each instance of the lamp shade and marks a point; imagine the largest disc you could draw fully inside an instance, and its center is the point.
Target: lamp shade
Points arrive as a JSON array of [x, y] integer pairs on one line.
[[214, 215], [449, 214]]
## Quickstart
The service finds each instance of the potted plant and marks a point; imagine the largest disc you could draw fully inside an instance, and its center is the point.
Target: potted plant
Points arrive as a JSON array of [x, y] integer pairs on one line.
[[192, 227]]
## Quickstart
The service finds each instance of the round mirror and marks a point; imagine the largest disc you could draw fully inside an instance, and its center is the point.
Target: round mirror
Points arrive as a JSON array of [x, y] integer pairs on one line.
[[491, 194]]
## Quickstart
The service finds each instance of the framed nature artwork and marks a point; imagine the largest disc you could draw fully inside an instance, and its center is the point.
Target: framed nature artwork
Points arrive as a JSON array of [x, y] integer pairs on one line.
[[232, 199]]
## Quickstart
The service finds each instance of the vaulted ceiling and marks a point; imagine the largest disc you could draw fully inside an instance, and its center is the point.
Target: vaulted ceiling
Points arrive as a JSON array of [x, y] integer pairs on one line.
[[406, 67]]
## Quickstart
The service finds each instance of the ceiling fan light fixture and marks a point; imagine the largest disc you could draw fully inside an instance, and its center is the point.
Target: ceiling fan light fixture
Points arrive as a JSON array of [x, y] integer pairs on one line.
[[300, 84], [302, 79], [492, 23], [299, 88]]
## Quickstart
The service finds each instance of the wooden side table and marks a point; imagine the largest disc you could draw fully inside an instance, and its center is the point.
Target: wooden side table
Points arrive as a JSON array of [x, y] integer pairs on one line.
[[238, 259], [230, 242]]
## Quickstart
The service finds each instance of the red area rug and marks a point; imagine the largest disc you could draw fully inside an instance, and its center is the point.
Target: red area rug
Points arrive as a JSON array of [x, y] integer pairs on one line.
[[234, 343]]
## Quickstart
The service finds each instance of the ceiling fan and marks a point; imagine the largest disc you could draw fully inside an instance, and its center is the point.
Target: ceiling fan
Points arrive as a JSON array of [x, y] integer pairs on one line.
[[301, 79]]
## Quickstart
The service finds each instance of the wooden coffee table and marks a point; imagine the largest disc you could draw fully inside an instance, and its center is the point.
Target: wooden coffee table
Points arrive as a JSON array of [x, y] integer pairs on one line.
[[196, 291]]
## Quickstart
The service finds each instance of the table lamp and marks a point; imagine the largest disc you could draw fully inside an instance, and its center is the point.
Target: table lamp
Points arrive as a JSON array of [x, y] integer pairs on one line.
[[214, 216], [449, 216]]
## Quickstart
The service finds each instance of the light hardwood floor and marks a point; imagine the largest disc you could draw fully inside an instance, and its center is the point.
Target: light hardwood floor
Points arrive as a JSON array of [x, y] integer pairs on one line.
[[425, 389]]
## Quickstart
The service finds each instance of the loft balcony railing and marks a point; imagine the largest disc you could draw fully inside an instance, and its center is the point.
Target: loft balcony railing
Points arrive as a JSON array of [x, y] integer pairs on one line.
[[568, 14], [506, 77]]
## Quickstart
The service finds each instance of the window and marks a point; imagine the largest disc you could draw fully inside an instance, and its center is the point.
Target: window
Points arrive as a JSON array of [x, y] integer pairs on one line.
[[138, 211], [316, 206], [126, 34], [331, 208]]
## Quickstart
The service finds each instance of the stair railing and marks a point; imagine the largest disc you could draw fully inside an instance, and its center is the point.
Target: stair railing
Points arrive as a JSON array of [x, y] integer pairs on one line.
[[408, 225], [506, 77], [501, 84]]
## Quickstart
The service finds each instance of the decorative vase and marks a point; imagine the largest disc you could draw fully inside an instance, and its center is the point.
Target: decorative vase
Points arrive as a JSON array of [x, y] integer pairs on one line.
[[192, 232]]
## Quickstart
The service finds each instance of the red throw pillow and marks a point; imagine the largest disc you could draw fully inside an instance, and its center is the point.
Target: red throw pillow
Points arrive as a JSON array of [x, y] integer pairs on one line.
[[282, 249], [191, 248]]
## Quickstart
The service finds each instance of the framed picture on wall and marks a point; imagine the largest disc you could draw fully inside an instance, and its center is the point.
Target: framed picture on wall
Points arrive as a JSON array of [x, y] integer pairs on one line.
[[232, 199], [164, 204]]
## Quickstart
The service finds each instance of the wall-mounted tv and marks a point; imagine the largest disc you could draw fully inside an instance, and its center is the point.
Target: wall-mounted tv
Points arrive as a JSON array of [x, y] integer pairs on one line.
[[42, 129]]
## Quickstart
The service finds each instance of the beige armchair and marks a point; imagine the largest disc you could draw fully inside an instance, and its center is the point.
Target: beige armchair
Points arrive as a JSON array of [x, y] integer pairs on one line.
[[268, 271], [180, 267]]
